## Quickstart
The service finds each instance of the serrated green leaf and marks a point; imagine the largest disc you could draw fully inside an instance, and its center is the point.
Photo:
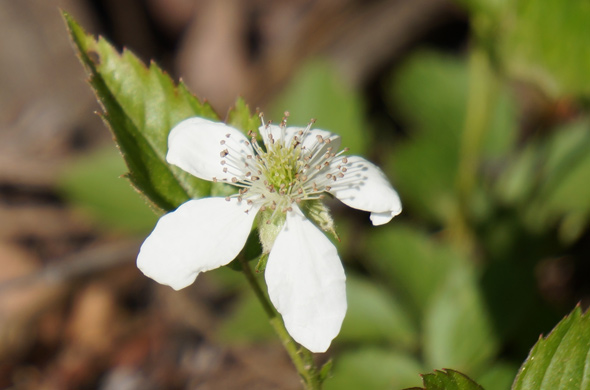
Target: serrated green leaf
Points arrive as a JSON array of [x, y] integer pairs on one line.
[[448, 380], [373, 369], [93, 183], [140, 106], [374, 316], [561, 360], [317, 91], [241, 118]]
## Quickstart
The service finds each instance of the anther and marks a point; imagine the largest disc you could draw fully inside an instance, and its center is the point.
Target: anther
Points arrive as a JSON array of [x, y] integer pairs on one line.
[[227, 198], [227, 135], [222, 142], [234, 179]]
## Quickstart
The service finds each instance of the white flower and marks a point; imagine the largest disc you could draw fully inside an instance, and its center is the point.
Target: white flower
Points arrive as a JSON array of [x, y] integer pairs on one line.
[[277, 182]]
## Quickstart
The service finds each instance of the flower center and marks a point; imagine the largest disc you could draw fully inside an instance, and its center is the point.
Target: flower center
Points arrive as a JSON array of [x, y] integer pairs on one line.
[[290, 167]]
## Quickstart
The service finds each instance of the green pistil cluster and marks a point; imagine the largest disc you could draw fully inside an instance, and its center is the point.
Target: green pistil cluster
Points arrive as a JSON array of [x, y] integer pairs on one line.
[[282, 166]]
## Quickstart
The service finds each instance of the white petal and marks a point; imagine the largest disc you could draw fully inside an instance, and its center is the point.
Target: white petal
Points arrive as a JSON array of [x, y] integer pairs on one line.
[[306, 283], [198, 146], [382, 218], [200, 235], [365, 187]]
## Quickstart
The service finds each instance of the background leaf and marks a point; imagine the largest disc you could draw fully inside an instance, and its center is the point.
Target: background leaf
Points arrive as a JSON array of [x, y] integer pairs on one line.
[[85, 180], [457, 328], [430, 93], [317, 92], [373, 369], [412, 262], [547, 42], [374, 316]]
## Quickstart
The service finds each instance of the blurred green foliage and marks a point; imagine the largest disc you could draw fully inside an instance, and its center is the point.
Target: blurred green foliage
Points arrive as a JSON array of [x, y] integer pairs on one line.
[[317, 92], [457, 281], [94, 182]]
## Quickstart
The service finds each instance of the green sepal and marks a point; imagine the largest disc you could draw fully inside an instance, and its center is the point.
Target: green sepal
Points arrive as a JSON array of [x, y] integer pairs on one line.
[[270, 224], [326, 370], [241, 118], [261, 265], [319, 213]]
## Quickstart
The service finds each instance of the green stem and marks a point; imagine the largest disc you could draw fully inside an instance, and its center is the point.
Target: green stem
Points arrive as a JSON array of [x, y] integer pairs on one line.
[[301, 357], [480, 98]]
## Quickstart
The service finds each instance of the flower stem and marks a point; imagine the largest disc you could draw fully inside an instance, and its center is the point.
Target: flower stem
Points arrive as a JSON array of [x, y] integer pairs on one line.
[[301, 357], [481, 95]]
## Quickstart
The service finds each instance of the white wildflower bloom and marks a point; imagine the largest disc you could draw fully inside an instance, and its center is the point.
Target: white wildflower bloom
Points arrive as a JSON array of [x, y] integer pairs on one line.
[[281, 183]]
